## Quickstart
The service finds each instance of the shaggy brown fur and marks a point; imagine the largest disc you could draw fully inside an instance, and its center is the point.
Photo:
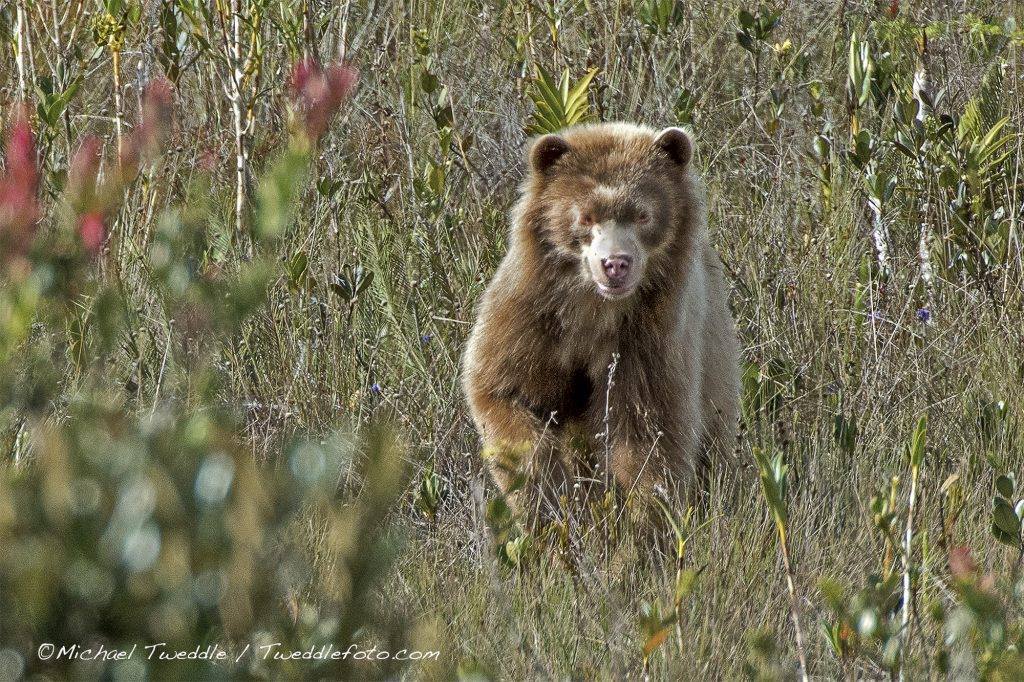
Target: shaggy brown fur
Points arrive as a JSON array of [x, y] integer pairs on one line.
[[552, 322]]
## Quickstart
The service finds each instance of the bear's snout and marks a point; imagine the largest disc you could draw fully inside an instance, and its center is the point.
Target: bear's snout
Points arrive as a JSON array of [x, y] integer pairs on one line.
[[616, 268]]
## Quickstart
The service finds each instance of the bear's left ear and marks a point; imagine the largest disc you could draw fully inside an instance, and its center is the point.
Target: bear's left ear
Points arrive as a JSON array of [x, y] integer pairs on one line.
[[546, 151], [676, 143]]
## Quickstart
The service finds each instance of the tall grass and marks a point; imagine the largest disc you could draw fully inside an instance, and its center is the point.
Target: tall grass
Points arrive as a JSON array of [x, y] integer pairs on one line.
[[863, 167]]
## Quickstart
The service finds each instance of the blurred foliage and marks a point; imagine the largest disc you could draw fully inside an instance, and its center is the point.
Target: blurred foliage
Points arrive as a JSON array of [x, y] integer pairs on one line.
[[128, 531], [129, 524]]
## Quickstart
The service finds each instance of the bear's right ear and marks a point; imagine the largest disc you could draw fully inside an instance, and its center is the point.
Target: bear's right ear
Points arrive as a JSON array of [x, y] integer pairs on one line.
[[546, 151]]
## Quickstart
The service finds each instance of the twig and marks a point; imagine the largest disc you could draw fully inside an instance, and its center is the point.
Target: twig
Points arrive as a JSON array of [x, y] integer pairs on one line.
[[606, 420], [21, 30], [237, 118], [793, 602], [908, 538]]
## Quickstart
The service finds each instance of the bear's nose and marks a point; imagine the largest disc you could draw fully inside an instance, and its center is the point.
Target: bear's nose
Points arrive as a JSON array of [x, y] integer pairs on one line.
[[617, 267]]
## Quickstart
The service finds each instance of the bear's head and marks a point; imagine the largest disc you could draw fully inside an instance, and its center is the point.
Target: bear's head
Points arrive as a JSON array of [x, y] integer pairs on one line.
[[614, 199]]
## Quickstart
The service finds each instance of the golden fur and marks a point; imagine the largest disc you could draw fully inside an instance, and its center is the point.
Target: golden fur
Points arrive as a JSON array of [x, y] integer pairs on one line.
[[536, 368]]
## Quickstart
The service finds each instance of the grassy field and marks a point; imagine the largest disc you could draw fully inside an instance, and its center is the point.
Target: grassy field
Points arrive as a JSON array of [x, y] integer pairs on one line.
[[871, 229]]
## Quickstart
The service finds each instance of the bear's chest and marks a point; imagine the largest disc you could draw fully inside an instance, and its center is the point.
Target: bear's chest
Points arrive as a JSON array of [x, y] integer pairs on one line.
[[588, 341], [564, 396]]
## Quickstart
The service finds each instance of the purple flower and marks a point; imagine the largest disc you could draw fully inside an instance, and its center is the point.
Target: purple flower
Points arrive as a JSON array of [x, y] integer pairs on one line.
[[875, 316], [426, 338], [375, 389], [924, 315]]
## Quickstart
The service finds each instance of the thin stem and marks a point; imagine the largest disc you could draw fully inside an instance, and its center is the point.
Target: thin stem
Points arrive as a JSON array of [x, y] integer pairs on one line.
[[607, 435], [343, 39], [793, 602], [908, 538], [22, 28], [115, 54], [237, 116]]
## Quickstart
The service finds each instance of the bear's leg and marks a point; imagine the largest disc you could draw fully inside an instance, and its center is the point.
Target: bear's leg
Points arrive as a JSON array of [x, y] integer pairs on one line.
[[652, 492], [521, 456], [655, 465]]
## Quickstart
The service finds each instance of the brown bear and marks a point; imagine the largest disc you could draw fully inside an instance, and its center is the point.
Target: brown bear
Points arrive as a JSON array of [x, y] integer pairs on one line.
[[604, 343]]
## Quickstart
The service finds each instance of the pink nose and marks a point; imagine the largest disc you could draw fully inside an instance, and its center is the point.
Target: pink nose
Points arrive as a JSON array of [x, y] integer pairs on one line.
[[617, 267]]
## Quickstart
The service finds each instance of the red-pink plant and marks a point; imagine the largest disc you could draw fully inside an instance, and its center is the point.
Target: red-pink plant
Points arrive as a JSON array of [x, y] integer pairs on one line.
[[92, 231], [319, 93], [93, 203], [964, 569], [83, 172], [19, 207], [154, 126], [961, 564], [84, 194]]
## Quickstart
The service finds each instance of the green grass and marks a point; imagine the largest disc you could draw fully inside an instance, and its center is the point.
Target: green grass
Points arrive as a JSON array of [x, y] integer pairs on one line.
[[829, 335]]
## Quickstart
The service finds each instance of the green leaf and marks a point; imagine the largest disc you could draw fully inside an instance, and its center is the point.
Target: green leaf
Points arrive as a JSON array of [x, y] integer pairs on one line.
[[428, 82], [767, 23], [576, 100], [296, 268], [277, 193], [905, 150], [917, 442], [435, 178], [746, 41], [516, 550], [1004, 518], [859, 72], [773, 482], [1005, 485], [363, 278], [822, 147], [1004, 537], [559, 105], [969, 124], [989, 141]]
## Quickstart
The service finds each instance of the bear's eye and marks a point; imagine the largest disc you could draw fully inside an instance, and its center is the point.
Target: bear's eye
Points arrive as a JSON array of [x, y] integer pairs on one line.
[[643, 217]]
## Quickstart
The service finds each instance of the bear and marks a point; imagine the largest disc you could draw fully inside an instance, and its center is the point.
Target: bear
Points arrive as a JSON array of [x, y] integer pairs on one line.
[[603, 346]]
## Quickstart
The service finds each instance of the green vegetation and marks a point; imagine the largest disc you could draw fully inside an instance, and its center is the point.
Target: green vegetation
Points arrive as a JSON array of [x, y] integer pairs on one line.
[[234, 292]]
